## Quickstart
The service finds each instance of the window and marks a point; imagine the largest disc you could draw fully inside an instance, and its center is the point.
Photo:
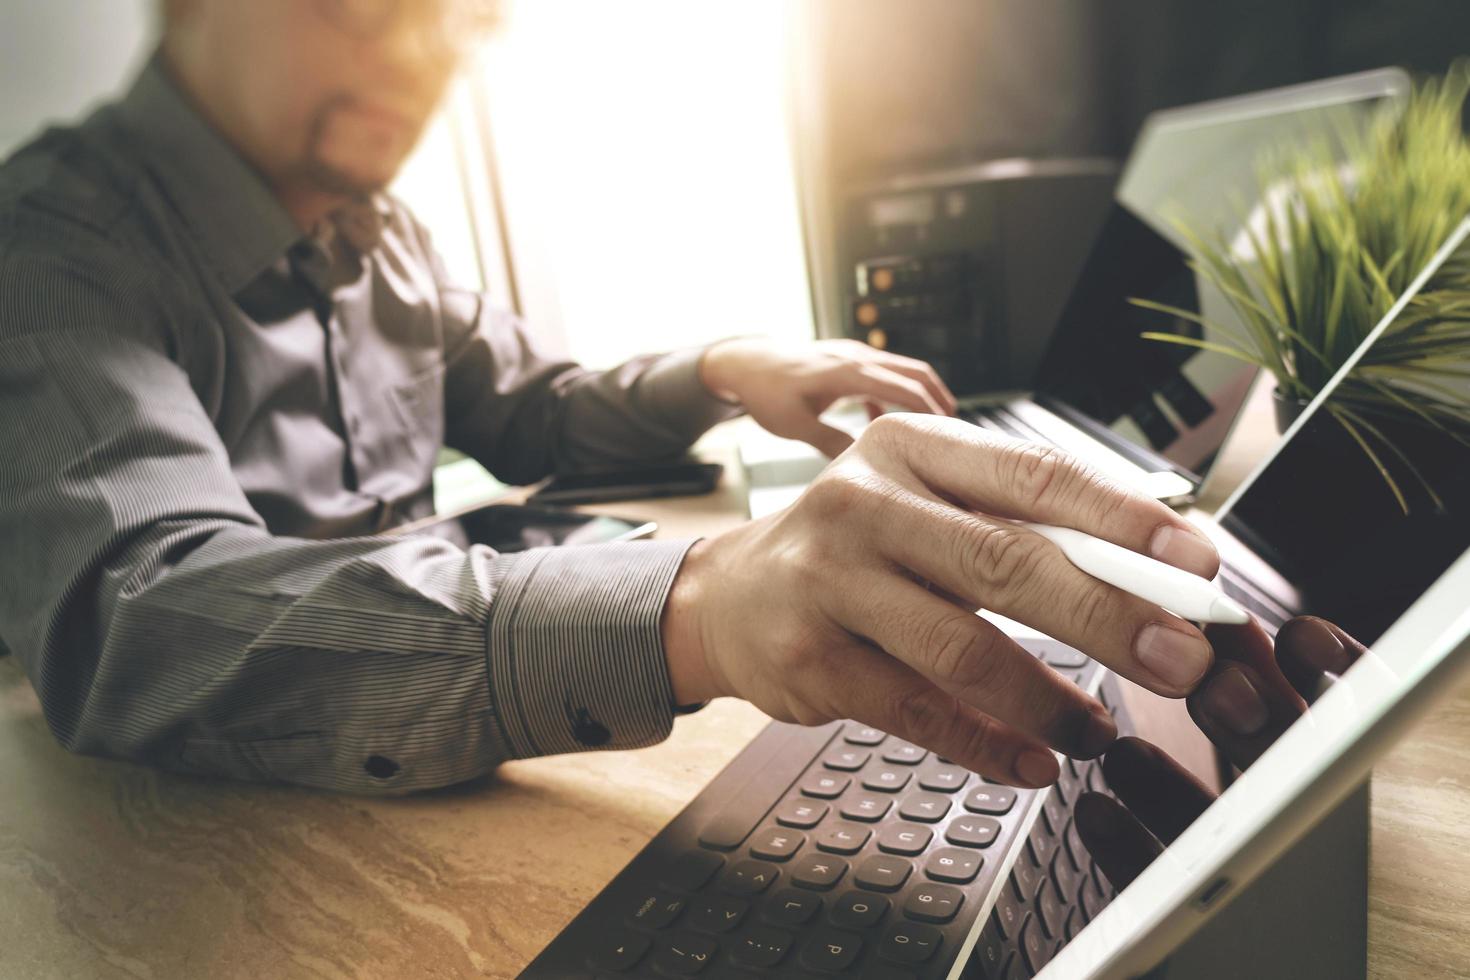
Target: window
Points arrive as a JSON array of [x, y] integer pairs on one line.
[[646, 190]]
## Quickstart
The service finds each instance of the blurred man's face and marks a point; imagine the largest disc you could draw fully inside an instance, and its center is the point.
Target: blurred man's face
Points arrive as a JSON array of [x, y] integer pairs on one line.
[[323, 96]]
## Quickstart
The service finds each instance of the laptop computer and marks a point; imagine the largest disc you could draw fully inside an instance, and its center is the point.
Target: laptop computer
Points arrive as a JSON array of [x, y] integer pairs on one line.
[[840, 850], [1152, 415]]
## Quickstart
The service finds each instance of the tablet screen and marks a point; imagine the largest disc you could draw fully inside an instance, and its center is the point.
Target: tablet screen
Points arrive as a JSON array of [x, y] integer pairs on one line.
[[1365, 511]]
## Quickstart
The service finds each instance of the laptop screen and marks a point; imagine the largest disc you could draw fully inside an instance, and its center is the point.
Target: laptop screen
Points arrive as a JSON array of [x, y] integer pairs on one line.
[[1197, 165], [1177, 401]]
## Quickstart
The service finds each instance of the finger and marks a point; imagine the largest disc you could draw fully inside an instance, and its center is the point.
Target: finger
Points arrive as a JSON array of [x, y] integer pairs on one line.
[[826, 439], [1001, 566], [990, 472], [1115, 838], [877, 381], [1309, 649], [971, 659], [1245, 702], [1164, 795], [924, 373], [875, 409], [875, 689]]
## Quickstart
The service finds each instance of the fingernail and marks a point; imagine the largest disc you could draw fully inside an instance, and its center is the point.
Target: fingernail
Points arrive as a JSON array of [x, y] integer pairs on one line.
[[1319, 646], [1037, 768], [1183, 549], [1232, 700], [1176, 658]]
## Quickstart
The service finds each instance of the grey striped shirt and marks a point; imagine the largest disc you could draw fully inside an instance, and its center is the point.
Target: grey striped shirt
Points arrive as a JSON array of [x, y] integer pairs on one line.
[[205, 415]]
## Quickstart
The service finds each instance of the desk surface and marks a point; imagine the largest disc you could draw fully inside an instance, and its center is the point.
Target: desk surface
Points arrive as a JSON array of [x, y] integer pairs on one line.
[[110, 870]]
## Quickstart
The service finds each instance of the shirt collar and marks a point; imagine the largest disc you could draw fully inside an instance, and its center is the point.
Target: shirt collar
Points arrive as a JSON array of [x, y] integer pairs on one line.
[[240, 226]]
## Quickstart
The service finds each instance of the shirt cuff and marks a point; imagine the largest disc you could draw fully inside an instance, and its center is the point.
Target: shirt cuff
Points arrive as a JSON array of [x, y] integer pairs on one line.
[[673, 387], [575, 649]]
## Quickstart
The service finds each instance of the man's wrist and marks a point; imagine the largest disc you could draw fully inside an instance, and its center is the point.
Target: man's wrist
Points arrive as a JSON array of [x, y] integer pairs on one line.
[[712, 368], [689, 673]]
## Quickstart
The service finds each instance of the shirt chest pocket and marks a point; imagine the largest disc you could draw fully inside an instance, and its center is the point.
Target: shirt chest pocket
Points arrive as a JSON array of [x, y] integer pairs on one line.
[[417, 405]]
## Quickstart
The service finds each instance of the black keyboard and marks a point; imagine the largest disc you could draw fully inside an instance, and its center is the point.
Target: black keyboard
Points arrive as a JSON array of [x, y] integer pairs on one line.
[[842, 850]]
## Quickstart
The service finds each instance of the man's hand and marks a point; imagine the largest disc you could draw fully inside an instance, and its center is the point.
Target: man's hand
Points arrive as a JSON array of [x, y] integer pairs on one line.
[[786, 388], [858, 600], [1252, 695]]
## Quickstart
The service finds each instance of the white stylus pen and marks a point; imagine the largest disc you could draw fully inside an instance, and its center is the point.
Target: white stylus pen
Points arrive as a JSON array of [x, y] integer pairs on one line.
[[1183, 594]]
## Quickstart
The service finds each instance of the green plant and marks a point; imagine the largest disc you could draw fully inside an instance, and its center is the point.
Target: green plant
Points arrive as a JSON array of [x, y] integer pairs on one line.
[[1345, 226]]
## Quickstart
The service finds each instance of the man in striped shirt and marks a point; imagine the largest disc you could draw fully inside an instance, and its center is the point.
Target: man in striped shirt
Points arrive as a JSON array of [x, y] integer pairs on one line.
[[227, 358]]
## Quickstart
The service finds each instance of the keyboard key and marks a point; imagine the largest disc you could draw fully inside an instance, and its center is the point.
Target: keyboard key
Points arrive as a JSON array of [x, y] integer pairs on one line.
[[1099, 877], [744, 810], [910, 942], [1090, 899], [748, 877], [824, 785], [865, 806], [972, 831], [843, 838], [847, 760], [818, 871], [691, 871], [791, 907], [883, 873], [761, 946], [956, 864], [990, 950], [904, 753], [1026, 873], [862, 735], [716, 913], [1035, 950], [887, 779], [928, 807], [1066, 878], [1040, 847], [996, 800], [801, 813], [1054, 815], [831, 951], [904, 838], [656, 910], [933, 903], [618, 952], [776, 843], [1010, 914], [1050, 911], [858, 910], [685, 954], [1077, 850], [944, 778]]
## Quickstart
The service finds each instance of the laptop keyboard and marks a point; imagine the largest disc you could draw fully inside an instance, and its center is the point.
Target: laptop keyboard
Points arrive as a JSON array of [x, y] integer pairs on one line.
[[848, 851]]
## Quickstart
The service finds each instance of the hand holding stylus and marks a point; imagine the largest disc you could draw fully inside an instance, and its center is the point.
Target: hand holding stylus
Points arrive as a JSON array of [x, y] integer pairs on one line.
[[858, 601]]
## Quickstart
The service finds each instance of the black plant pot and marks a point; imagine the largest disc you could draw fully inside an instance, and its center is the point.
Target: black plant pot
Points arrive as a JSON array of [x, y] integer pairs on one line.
[[1288, 407]]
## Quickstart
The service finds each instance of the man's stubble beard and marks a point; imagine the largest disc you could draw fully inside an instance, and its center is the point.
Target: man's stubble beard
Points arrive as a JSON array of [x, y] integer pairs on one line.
[[312, 169]]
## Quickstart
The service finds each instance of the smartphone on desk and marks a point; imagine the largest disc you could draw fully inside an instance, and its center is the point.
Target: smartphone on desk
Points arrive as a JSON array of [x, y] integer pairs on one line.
[[516, 527], [665, 480]]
